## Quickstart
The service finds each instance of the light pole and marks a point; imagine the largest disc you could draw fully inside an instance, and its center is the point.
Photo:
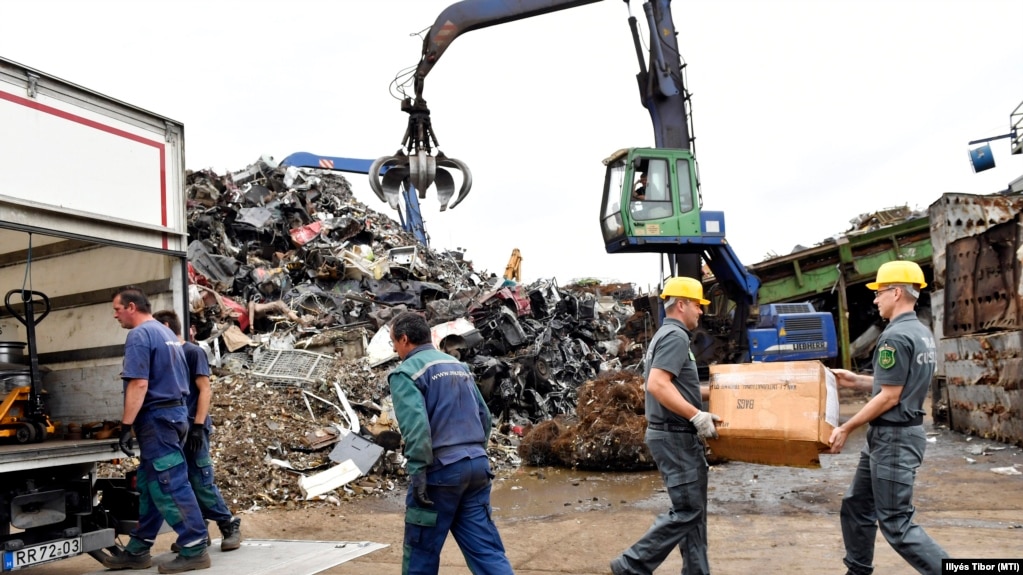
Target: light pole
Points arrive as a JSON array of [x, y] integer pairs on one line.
[[981, 157]]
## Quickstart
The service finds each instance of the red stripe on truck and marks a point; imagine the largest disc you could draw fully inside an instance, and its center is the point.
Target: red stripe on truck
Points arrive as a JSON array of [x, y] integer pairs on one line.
[[110, 130]]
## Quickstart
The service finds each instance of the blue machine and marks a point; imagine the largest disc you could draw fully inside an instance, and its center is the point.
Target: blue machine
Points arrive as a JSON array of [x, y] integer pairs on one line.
[[792, 332], [411, 218]]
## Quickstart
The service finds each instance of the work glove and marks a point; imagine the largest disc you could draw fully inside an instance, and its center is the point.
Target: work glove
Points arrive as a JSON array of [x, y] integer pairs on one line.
[[704, 423], [125, 442], [419, 490], [196, 438]]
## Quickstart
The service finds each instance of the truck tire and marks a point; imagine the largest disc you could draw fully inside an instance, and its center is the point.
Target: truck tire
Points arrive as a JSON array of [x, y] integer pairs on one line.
[[25, 433], [41, 433]]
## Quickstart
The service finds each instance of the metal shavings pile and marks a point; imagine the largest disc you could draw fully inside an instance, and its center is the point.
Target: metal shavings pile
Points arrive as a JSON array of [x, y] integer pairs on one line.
[[608, 432]]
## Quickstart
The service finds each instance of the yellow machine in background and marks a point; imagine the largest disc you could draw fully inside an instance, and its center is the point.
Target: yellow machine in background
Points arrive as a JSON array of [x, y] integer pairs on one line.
[[513, 271]]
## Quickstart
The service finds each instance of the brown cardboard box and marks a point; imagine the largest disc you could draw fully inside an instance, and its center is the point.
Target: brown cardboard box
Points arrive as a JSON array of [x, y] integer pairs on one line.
[[779, 413]]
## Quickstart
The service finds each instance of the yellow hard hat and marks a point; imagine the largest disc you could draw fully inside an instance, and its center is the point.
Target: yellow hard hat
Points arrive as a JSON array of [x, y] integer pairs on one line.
[[898, 272], [684, 287]]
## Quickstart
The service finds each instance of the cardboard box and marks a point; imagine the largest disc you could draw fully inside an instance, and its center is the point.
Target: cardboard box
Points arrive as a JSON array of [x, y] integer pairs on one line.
[[779, 413]]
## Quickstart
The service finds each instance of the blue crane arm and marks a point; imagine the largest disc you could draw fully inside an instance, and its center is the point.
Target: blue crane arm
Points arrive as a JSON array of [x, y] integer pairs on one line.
[[661, 82], [411, 220], [662, 88], [307, 160], [470, 15], [419, 160]]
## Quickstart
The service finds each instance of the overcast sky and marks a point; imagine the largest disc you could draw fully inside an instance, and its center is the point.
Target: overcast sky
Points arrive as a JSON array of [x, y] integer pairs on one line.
[[806, 113]]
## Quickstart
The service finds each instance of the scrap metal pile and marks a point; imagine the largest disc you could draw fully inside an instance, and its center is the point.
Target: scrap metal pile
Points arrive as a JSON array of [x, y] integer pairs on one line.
[[292, 282]]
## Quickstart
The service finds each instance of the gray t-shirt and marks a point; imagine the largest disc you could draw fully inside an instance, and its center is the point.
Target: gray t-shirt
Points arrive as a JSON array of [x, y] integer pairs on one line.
[[669, 350], [906, 356]]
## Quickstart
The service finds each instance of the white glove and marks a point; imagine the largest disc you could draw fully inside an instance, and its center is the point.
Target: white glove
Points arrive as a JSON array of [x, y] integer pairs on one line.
[[704, 423]]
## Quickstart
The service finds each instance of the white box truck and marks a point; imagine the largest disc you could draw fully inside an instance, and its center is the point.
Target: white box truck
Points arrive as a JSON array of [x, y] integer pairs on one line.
[[91, 199]]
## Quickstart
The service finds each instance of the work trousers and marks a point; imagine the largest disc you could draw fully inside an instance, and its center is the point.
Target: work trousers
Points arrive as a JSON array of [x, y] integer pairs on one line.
[[200, 475], [881, 495], [460, 493], [682, 460], [164, 490]]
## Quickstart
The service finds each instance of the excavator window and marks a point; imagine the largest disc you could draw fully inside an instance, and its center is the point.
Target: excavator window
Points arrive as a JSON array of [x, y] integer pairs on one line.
[[685, 186], [651, 199], [611, 217]]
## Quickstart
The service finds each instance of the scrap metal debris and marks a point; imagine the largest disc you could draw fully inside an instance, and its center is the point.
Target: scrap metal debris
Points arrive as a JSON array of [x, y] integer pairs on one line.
[[291, 284], [1010, 470], [607, 434], [291, 367]]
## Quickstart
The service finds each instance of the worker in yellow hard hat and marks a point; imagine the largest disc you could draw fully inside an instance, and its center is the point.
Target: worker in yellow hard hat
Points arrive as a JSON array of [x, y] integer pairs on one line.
[[676, 427], [881, 493]]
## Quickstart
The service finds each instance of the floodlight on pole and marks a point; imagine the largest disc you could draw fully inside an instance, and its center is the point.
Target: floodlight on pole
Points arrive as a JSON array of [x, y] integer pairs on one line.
[[981, 157]]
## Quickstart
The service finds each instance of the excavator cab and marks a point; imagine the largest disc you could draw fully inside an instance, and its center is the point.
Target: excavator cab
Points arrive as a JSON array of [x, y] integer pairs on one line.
[[652, 203]]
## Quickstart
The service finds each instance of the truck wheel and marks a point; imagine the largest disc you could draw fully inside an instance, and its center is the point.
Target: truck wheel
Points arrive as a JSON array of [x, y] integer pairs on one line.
[[25, 433], [41, 433]]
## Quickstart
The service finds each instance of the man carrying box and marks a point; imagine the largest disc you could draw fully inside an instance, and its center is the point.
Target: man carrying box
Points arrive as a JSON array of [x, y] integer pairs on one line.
[[881, 493], [676, 427]]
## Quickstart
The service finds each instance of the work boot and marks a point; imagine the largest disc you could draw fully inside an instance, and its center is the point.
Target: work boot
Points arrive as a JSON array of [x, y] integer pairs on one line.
[[128, 560], [180, 564], [231, 530]]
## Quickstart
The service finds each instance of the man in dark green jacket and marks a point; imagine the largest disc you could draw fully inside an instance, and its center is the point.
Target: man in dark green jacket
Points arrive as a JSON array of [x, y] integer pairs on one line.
[[446, 427]]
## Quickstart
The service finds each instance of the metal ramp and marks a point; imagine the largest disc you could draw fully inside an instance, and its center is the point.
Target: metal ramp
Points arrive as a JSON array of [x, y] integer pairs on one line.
[[272, 557]]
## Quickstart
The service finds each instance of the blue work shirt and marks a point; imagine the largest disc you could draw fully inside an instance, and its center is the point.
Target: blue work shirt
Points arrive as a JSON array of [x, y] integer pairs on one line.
[[152, 352]]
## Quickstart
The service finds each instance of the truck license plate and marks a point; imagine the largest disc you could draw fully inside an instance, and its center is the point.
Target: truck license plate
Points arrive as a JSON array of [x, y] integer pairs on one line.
[[42, 553]]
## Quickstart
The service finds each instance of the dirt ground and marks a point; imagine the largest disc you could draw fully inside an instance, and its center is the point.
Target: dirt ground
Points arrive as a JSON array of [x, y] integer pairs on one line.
[[762, 519]]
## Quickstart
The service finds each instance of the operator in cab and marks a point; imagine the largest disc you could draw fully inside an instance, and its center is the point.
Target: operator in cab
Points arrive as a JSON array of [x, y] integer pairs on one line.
[[639, 189]]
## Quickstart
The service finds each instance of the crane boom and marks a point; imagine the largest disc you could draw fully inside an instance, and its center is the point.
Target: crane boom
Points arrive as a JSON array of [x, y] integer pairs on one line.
[[470, 15], [660, 214], [661, 86]]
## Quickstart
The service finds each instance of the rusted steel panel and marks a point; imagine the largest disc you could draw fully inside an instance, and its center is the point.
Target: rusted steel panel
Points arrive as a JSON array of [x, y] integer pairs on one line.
[[957, 216], [984, 376], [981, 279], [961, 260]]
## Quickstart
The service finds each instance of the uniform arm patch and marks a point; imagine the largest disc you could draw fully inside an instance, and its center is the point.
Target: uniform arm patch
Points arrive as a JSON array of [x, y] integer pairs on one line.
[[886, 356]]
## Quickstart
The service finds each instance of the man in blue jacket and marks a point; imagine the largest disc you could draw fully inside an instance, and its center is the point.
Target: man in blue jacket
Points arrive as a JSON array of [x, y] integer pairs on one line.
[[446, 427]]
